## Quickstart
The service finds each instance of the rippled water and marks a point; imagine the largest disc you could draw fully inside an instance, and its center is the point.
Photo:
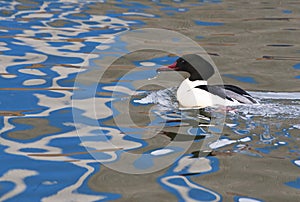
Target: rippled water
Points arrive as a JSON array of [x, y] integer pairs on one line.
[[52, 150]]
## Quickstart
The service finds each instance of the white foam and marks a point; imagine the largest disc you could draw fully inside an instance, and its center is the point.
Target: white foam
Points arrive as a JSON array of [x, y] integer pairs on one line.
[[248, 200], [49, 182], [225, 142], [272, 108], [245, 139], [140, 14], [164, 98], [221, 143], [276, 95], [231, 125], [240, 145], [297, 162], [148, 64], [181, 9], [297, 126], [161, 152]]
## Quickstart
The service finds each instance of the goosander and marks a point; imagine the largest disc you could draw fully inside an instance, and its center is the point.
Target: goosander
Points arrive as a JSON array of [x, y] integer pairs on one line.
[[194, 92]]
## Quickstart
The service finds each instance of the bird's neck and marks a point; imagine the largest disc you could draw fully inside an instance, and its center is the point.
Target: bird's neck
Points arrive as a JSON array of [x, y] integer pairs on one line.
[[194, 83]]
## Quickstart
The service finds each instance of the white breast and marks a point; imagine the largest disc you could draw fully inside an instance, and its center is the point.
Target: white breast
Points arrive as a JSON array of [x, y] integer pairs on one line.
[[190, 97]]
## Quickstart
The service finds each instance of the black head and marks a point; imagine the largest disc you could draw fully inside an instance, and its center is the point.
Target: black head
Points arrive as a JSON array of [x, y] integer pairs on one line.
[[195, 65]]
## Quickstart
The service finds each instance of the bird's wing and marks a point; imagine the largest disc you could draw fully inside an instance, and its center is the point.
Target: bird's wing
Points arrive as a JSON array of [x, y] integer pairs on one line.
[[214, 89], [229, 92]]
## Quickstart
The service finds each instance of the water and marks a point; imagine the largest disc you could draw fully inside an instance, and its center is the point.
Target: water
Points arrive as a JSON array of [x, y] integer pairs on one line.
[[52, 150]]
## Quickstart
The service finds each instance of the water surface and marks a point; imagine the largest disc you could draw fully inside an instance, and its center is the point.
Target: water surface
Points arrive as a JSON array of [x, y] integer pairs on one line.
[[45, 44]]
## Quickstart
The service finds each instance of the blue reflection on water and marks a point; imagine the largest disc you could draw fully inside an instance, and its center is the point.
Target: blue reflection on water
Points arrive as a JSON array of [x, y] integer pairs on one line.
[[181, 177], [53, 171], [39, 41], [294, 184], [203, 23], [287, 11], [297, 66], [49, 51], [244, 198], [245, 79]]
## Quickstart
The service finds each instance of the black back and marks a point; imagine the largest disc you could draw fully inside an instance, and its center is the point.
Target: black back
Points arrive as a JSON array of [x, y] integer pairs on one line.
[[236, 89], [229, 92]]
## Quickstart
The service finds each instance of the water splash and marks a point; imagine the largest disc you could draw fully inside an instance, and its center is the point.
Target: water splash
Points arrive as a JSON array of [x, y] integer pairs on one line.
[[266, 126]]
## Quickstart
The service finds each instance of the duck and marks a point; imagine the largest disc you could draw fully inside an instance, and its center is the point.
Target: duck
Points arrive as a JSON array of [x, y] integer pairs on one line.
[[195, 92]]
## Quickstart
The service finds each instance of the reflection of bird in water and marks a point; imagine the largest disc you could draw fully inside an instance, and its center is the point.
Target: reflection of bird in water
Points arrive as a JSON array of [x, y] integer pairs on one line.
[[195, 91], [192, 121]]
